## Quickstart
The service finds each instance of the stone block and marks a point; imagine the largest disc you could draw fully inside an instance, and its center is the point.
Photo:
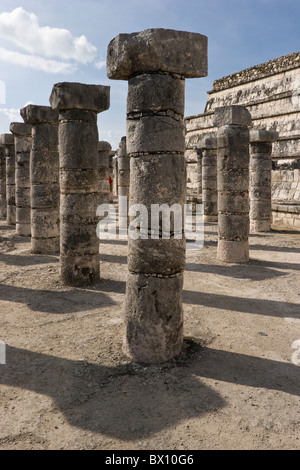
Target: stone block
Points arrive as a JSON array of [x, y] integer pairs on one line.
[[123, 163], [155, 134], [154, 318], [45, 246], [237, 180], [233, 226], [79, 270], [78, 239], [233, 137], [44, 223], [35, 114], [20, 128], [262, 135], [104, 146], [78, 145], [209, 143], [23, 230], [160, 256], [45, 197], [257, 226], [233, 202], [233, 251], [232, 158], [156, 179], [71, 95], [155, 92], [7, 139], [232, 115], [154, 50], [79, 208], [78, 181]]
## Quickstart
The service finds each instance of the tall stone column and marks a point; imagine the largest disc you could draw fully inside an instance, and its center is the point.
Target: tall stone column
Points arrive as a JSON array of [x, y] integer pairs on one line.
[[123, 181], [104, 149], [111, 175], [199, 173], [22, 138], [209, 179], [233, 183], [260, 179], [8, 141], [44, 178], [2, 181], [78, 105], [155, 63], [115, 176]]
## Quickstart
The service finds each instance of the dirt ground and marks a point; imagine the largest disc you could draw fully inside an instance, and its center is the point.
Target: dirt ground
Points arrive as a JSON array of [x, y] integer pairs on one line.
[[67, 385]]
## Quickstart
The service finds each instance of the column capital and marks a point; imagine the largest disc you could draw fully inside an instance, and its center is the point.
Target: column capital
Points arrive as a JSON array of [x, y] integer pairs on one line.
[[35, 114], [157, 50], [7, 139], [232, 115], [20, 129], [71, 95], [262, 135]]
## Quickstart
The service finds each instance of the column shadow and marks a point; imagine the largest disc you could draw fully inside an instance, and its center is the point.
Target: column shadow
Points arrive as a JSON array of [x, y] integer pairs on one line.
[[246, 305], [56, 302], [123, 402], [127, 402]]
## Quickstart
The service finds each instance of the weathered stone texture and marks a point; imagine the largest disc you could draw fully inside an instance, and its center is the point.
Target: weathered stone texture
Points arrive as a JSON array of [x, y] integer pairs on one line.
[[22, 138], [78, 105], [44, 178], [155, 63], [233, 184], [270, 91], [2, 181], [104, 149], [7, 140], [154, 50], [260, 179], [209, 180]]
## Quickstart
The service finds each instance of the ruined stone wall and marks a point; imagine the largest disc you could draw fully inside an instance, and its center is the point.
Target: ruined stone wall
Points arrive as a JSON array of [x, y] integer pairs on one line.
[[271, 92]]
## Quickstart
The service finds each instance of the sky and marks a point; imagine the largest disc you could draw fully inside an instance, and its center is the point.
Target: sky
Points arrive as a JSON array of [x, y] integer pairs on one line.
[[46, 42]]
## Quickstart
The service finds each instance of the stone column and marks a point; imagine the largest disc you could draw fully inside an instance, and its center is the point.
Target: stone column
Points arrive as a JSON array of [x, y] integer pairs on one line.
[[209, 179], [44, 178], [233, 183], [115, 176], [2, 181], [78, 105], [199, 173], [22, 139], [111, 175], [8, 141], [260, 179], [155, 63], [104, 149], [123, 181]]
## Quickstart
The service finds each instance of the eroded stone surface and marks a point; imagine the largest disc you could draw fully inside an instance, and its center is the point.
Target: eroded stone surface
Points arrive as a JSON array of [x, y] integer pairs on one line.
[[71, 95], [44, 178], [232, 115], [154, 50]]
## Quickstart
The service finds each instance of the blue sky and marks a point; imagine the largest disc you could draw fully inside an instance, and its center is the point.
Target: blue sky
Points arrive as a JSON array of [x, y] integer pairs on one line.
[[45, 42]]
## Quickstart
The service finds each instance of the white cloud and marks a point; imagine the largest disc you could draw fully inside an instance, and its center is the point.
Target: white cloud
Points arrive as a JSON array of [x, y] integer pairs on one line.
[[12, 114], [36, 62], [42, 44], [100, 64], [23, 29]]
